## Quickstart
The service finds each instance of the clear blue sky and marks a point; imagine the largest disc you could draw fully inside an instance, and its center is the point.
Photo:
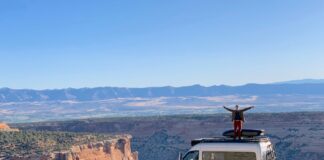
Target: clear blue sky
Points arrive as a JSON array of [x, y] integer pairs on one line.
[[82, 43]]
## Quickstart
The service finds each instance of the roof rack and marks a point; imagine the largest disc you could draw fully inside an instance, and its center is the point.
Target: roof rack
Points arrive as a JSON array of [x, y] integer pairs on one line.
[[229, 140], [245, 133]]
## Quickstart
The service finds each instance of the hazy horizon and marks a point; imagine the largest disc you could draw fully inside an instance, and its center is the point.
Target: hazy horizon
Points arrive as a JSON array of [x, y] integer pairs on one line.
[[297, 81]]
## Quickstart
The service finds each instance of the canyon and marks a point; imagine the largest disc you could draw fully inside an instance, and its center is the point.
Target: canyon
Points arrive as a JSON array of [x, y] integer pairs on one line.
[[113, 149], [51, 145], [297, 135]]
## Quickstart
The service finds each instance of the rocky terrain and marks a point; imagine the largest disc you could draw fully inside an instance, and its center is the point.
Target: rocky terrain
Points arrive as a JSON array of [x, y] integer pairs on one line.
[[297, 135], [5, 128], [47, 145], [109, 149]]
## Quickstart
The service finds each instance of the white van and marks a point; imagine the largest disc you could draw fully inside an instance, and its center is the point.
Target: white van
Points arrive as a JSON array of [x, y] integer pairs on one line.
[[225, 148]]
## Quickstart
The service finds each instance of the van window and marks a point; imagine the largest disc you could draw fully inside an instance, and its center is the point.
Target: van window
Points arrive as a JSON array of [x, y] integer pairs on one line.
[[192, 155], [228, 156]]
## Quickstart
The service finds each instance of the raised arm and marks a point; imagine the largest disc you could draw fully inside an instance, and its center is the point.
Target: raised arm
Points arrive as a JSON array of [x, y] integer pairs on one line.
[[228, 109], [247, 108]]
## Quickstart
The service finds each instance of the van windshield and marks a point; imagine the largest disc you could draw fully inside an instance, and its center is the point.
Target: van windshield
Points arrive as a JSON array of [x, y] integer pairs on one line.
[[228, 156], [192, 155]]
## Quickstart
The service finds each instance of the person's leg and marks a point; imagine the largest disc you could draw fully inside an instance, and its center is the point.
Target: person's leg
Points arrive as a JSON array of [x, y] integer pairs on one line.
[[235, 129], [239, 128]]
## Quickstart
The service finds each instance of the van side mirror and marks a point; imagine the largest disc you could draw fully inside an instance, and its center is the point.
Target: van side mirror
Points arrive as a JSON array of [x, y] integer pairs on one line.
[[180, 156]]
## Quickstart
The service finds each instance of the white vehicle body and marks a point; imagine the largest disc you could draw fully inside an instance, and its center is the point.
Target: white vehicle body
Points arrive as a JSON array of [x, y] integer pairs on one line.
[[227, 149]]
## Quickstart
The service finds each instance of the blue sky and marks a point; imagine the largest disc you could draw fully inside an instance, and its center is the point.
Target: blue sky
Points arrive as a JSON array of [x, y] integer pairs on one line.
[[81, 43]]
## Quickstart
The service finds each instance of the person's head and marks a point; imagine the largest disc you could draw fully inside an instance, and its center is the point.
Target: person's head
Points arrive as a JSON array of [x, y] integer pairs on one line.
[[236, 107]]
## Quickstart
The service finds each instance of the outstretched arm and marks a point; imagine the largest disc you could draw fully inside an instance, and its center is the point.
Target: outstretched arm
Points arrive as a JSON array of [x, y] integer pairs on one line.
[[228, 109], [247, 108]]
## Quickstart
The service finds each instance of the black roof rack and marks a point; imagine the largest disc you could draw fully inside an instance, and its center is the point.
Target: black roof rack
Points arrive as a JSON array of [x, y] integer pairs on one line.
[[245, 133]]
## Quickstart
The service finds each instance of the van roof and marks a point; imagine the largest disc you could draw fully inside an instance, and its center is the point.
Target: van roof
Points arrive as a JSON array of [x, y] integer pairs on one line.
[[228, 147], [229, 140]]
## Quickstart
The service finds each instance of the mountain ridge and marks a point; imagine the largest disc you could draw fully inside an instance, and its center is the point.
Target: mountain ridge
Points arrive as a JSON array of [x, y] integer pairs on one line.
[[302, 81], [103, 93]]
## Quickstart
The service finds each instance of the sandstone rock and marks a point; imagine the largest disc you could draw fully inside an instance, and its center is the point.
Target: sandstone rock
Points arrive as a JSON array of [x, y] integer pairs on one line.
[[5, 128], [113, 149]]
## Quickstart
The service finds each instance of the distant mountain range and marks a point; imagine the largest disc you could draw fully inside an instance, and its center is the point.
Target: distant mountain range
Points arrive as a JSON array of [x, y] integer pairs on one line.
[[303, 81], [307, 87]]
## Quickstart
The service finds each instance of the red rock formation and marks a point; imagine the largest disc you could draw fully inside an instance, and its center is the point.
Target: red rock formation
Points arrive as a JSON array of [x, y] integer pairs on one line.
[[113, 149], [4, 126]]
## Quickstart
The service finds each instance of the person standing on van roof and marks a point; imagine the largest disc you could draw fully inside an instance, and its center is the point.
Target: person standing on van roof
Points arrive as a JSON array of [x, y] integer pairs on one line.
[[238, 119]]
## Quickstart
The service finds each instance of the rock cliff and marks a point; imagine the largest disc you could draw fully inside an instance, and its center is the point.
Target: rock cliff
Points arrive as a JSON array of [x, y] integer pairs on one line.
[[50, 145], [113, 149], [5, 128]]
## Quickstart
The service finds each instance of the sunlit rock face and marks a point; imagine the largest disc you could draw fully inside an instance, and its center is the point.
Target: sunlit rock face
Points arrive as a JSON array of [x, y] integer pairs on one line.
[[113, 149], [117, 147], [5, 127]]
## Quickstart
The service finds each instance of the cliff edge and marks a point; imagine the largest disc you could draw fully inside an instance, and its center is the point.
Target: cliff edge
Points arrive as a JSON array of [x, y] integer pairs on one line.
[[47, 145], [113, 149], [5, 128]]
